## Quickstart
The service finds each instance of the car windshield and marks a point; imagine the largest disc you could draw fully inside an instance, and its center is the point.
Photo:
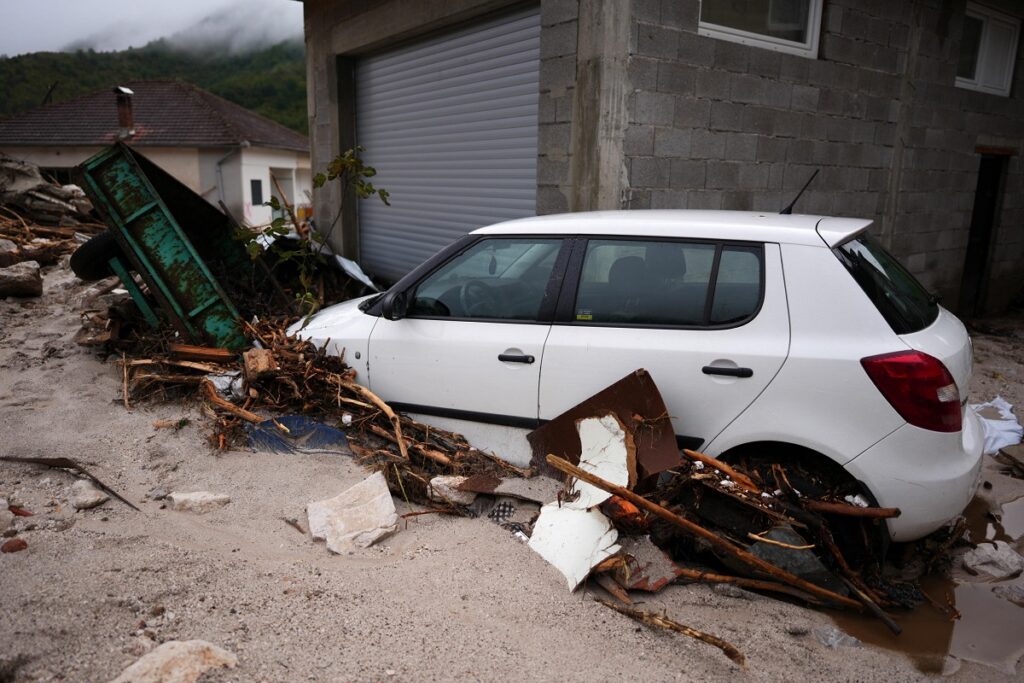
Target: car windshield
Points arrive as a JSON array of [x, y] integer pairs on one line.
[[904, 303]]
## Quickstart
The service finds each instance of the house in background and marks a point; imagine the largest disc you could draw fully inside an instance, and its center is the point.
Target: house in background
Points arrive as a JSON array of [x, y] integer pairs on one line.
[[220, 150], [474, 111]]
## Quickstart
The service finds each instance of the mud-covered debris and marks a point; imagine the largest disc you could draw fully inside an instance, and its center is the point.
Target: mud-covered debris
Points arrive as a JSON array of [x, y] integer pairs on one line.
[[997, 559], [21, 280]]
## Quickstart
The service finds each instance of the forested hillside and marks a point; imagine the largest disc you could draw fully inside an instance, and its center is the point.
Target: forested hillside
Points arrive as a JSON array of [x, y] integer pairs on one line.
[[271, 81]]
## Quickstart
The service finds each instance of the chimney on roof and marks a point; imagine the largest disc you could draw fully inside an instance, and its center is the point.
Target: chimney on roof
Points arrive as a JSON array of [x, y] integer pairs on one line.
[[125, 120]]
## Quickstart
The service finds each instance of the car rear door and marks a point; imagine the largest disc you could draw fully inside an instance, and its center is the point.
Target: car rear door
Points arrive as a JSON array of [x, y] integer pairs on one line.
[[707, 319], [471, 343]]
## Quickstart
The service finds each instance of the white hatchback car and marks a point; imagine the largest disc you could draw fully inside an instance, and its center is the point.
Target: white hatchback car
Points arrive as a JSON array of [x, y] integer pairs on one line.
[[766, 333]]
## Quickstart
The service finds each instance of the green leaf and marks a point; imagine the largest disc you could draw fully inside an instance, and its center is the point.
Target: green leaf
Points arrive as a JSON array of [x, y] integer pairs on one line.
[[318, 180]]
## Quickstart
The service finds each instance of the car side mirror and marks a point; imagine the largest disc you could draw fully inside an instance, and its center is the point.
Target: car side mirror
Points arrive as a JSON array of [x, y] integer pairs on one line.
[[394, 305]]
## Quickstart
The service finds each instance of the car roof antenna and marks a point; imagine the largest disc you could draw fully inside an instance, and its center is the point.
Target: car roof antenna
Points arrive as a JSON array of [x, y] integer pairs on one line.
[[789, 208]]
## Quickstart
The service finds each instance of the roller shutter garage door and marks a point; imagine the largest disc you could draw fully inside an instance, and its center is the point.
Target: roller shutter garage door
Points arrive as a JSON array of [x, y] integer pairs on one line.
[[450, 124]]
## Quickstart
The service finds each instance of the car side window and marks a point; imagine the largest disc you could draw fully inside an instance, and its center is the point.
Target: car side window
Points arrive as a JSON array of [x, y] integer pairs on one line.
[[667, 283], [738, 285], [497, 278]]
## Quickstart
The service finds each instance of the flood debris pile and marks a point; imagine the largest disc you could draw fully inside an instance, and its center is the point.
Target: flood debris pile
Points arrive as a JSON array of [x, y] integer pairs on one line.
[[40, 221]]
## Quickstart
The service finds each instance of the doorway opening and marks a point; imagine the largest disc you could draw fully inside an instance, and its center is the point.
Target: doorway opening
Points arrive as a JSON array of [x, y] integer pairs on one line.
[[987, 199]]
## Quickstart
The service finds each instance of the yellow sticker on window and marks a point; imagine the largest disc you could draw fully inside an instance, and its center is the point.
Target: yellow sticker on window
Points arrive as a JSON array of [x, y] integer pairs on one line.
[[584, 316]]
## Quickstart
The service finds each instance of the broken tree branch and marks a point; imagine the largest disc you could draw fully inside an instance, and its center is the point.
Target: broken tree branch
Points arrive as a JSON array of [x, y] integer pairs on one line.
[[69, 464], [224, 404], [652, 619], [396, 422], [694, 529], [738, 477], [844, 509]]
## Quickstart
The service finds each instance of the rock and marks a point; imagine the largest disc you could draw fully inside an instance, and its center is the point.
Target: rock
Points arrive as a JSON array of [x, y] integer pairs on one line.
[[445, 488], [199, 502], [7, 246], [832, 637], [803, 563], [999, 560], [356, 518], [731, 591], [1012, 592], [157, 493], [84, 495], [21, 279], [15, 545], [798, 630], [177, 661]]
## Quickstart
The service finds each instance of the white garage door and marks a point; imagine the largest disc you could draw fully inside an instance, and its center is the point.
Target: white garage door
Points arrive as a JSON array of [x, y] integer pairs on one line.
[[450, 124]]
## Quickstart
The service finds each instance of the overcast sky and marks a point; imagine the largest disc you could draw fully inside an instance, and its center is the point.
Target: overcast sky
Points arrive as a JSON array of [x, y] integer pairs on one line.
[[52, 25]]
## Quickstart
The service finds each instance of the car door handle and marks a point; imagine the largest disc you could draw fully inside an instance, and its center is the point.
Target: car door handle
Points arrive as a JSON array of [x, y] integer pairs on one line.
[[728, 372], [515, 358]]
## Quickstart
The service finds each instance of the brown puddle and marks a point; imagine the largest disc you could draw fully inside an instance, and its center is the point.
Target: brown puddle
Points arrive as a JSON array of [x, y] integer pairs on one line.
[[989, 630]]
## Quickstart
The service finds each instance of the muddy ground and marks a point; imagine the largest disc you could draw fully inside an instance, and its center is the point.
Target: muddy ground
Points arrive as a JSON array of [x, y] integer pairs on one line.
[[444, 599]]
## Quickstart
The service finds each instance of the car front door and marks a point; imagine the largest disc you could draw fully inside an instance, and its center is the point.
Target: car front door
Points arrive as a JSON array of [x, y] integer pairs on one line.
[[707, 319], [471, 341]]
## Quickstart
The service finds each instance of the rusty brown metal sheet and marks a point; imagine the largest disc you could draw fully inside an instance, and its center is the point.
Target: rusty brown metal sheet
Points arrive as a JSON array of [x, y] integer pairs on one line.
[[636, 401], [536, 489]]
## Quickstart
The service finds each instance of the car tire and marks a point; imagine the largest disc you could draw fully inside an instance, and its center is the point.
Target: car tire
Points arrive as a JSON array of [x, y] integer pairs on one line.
[[91, 261]]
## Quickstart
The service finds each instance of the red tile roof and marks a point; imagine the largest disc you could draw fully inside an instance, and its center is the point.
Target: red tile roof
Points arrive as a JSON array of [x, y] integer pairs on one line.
[[166, 114]]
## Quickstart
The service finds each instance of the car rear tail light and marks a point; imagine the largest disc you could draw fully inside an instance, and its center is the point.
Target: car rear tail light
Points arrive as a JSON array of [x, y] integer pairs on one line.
[[919, 387]]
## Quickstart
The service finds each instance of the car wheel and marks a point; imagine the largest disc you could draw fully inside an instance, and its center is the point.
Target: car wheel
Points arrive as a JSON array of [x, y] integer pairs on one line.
[[91, 261]]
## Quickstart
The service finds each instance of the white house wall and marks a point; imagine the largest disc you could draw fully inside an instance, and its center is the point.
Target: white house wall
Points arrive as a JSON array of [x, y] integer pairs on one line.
[[256, 163]]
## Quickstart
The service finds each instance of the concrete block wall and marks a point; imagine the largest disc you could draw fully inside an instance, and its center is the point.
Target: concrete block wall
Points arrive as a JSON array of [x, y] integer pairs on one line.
[[558, 46], [718, 125]]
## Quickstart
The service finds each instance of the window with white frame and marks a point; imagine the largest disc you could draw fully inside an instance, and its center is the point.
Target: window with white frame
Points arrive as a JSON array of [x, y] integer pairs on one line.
[[792, 26], [988, 48]]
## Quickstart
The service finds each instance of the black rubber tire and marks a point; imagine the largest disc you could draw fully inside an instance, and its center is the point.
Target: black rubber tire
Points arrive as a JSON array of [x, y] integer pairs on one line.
[[91, 260]]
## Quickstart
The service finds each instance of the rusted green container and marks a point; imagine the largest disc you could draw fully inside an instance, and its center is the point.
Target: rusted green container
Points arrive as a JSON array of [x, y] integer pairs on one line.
[[173, 238]]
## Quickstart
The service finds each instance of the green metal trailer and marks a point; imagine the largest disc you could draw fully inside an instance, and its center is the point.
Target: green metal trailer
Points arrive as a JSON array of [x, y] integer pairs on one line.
[[174, 239]]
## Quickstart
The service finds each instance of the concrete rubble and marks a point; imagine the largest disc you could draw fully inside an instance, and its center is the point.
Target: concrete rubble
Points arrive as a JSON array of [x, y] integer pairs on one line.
[[178, 661], [356, 518], [198, 502]]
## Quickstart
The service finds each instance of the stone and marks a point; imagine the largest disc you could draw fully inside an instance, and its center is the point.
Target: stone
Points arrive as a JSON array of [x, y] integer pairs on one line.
[[84, 495], [199, 502], [177, 661], [15, 545], [832, 637], [157, 493], [731, 591], [997, 559], [356, 518], [1013, 592], [445, 489], [802, 563], [7, 246], [22, 279]]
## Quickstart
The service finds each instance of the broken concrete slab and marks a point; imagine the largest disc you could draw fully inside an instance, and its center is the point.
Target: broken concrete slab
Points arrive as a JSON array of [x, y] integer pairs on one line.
[[356, 518], [178, 661], [199, 502], [638, 404], [22, 280], [259, 362], [997, 559], [445, 489], [85, 496], [573, 541], [607, 450]]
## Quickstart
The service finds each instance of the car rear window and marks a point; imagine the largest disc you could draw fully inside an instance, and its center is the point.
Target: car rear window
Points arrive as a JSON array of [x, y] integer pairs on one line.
[[904, 303]]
